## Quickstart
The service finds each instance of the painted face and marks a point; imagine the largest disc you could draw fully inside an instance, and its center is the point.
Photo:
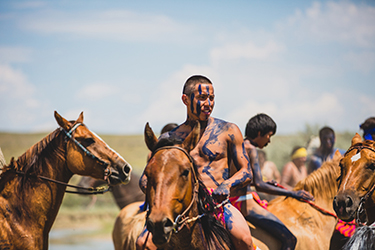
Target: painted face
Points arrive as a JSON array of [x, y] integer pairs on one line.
[[201, 102], [264, 140]]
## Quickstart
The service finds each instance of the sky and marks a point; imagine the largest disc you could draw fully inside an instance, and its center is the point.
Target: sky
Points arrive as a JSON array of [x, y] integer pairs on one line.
[[124, 63]]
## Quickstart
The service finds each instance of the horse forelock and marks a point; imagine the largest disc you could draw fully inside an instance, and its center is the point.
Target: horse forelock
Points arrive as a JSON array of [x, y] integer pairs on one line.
[[322, 183]]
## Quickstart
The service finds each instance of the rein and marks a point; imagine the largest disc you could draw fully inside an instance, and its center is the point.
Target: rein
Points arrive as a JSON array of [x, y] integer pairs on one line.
[[322, 210], [363, 200], [181, 219], [90, 190]]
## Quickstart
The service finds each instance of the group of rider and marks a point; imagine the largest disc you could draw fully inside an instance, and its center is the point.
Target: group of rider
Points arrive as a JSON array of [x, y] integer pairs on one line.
[[228, 164]]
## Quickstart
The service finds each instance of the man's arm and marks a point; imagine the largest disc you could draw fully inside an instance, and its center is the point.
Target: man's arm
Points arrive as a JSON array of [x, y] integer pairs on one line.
[[237, 152], [261, 186]]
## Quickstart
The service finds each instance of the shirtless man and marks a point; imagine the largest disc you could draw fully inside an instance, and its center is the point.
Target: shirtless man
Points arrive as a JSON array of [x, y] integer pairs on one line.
[[259, 130], [220, 142], [295, 170]]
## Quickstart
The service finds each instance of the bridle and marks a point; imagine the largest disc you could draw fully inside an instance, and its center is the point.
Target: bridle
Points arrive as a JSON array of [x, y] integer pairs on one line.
[[182, 219], [364, 198], [90, 190]]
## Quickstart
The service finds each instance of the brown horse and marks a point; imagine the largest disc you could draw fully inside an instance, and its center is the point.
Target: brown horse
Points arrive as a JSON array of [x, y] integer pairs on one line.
[[123, 194], [312, 226], [32, 188], [355, 198], [180, 214]]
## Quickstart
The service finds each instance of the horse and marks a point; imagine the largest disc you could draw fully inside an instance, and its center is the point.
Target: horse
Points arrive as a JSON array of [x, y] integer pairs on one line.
[[181, 211], [123, 194], [33, 186], [355, 197], [311, 223]]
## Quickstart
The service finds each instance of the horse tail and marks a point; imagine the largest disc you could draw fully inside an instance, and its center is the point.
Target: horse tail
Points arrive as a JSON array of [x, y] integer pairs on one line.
[[363, 238]]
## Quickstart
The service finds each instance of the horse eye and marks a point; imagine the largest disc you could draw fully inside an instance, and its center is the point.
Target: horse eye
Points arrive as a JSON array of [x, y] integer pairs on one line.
[[87, 142], [371, 166], [185, 173]]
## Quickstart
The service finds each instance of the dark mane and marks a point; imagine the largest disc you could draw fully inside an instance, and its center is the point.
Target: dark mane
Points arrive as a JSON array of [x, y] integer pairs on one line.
[[215, 233]]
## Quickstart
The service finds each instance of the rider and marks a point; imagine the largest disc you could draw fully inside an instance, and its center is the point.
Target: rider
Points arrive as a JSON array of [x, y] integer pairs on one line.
[[295, 170], [220, 142], [259, 130], [368, 128], [325, 151]]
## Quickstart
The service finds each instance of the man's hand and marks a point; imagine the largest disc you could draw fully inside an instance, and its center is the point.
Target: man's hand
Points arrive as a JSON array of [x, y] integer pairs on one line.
[[221, 193], [302, 194]]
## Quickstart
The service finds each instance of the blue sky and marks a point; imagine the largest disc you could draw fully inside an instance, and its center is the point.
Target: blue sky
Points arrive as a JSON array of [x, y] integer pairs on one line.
[[124, 62]]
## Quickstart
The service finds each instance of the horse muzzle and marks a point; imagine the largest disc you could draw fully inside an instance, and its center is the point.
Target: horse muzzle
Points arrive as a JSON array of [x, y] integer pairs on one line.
[[161, 231], [119, 174], [345, 206]]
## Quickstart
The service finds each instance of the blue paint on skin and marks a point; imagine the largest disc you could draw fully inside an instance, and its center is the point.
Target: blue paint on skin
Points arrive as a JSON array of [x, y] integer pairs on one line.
[[226, 174], [198, 108], [243, 178], [206, 170], [228, 217], [218, 127], [191, 102]]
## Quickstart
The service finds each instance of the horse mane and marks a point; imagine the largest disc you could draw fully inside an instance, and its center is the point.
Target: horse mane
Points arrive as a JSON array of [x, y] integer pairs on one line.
[[322, 182], [31, 162], [363, 238], [215, 233]]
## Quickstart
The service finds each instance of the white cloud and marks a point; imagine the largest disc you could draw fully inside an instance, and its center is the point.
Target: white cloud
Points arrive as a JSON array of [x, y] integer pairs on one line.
[[342, 22], [14, 55], [120, 25], [96, 91], [246, 51]]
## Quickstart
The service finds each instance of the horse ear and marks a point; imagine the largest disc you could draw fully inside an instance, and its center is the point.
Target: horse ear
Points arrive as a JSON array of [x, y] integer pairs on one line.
[[356, 139], [192, 139], [80, 118], [150, 137], [336, 156], [62, 121]]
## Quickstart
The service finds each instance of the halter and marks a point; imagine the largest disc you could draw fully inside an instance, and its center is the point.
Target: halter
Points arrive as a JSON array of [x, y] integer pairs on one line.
[[180, 221], [91, 190], [364, 198]]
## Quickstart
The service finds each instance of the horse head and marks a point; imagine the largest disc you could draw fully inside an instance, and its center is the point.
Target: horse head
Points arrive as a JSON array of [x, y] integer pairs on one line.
[[357, 180], [171, 182], [87, 154]]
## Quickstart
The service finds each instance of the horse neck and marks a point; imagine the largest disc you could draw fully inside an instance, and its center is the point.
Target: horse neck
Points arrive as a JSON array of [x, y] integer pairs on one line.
[[39, 199]]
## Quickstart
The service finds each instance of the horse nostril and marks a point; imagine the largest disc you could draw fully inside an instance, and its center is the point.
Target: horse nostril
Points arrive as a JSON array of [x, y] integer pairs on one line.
[[127, 169], [168, 225], [348, 201]]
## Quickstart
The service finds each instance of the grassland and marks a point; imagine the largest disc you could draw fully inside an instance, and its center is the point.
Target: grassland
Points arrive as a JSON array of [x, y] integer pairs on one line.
[[101, 217]]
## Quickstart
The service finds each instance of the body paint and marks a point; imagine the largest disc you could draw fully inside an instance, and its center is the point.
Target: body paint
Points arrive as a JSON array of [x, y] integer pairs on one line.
[[228, 217]]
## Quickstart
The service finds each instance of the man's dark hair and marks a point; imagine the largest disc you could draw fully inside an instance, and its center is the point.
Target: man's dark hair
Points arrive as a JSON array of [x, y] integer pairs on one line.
[[260, 123], [325, 131], [368, 124], [192, 81], [168, 127], [368, 128]]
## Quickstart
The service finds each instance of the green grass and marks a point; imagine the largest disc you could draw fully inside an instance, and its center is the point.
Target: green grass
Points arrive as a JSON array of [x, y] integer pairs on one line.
[[74, 213]]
